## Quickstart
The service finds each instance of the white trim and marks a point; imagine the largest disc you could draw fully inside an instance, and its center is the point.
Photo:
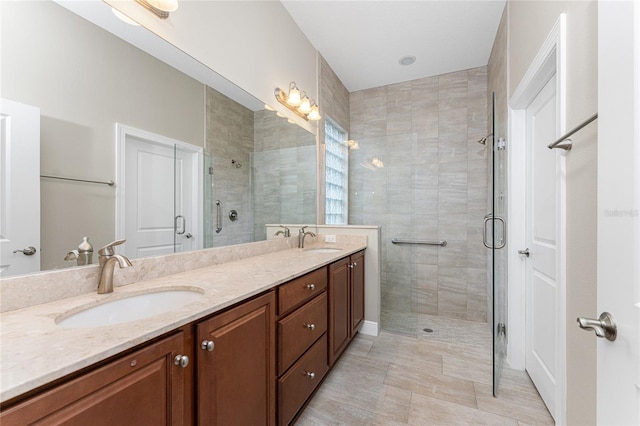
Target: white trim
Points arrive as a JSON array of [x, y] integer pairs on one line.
[[550, 60], [122, 131], [369, 328]]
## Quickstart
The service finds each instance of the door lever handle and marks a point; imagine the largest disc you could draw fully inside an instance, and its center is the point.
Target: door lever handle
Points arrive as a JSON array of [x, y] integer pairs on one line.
[[524, 252], [603, 326]]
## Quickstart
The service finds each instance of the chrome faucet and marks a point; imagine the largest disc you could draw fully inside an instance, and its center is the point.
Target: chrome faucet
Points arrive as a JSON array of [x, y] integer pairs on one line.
[[286, 232], [108, 260], [302, 234]]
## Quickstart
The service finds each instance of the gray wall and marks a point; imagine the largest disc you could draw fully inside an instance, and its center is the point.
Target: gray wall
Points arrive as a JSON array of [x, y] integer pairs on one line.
[[433, 186], [84, 80]]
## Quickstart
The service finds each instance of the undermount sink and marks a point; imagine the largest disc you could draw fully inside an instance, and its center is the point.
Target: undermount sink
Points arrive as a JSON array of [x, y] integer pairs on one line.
[[129, 308], [323, 250]]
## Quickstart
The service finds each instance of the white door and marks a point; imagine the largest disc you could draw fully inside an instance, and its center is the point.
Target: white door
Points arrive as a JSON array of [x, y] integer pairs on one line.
[[158, 195], [542, 293], [619, 211], [19, 188]]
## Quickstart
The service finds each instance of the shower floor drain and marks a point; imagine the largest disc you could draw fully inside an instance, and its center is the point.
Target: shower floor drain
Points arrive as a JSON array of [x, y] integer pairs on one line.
[[427, 330]]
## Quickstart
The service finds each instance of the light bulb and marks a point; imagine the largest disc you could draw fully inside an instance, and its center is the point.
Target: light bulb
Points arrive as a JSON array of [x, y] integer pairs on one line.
[[294, 95], [305, 105], [164, 5], [314, 114]]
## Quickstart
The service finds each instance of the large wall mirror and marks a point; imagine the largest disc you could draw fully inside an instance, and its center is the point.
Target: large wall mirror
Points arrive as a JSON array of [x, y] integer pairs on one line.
[[195, 162]]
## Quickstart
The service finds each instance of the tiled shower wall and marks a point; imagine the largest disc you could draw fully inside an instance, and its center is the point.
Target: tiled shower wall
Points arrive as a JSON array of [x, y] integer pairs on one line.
[[420, 174], [283, 173], [229, 137]]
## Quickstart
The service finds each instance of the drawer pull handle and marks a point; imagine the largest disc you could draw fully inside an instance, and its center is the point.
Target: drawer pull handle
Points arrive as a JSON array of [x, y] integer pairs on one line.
[[207, 345], [310, 326], [310, 375], [181, 360], [311, 287]]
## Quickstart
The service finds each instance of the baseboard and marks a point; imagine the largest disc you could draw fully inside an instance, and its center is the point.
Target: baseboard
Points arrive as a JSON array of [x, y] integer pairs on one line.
[[369, 328]]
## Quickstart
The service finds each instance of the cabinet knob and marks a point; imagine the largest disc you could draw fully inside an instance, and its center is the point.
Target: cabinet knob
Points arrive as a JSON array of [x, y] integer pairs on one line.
[[181, 360], [311, 287], [350, 265], [310, 375], [207, 345], [310, 326], [354, 264]]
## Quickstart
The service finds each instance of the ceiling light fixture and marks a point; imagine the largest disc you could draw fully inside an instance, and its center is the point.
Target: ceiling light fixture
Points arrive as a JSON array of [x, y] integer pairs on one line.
[[407, 60], [161, 8], [298, 102]]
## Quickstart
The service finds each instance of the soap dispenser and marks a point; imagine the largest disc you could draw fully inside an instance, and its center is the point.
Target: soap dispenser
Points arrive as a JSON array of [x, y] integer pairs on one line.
[[85, 252]]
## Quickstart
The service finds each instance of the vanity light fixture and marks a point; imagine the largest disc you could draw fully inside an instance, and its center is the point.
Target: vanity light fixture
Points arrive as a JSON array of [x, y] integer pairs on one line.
[[298, 102], [161, 8]]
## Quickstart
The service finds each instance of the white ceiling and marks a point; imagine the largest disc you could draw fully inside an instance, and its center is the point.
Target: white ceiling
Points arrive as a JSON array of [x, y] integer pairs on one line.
[[363, 40]]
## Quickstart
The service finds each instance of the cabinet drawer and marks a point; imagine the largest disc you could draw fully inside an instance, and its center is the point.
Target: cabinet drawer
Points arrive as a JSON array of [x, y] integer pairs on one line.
[[304, 288], [300, 381], [299, 330]]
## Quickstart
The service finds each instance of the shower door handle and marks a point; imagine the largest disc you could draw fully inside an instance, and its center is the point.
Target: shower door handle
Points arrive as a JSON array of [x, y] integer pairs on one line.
[[503, 242]]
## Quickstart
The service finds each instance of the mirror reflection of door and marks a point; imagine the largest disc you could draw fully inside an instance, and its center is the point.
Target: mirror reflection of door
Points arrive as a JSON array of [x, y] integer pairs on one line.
[[158, 195], [19, 188]]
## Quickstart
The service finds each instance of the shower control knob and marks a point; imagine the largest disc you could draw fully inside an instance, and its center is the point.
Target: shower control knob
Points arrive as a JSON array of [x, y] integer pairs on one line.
[[181, 361], [207, 345]]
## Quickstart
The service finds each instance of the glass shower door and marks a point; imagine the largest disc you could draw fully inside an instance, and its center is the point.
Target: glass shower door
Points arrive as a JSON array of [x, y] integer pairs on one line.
[[498, 242]]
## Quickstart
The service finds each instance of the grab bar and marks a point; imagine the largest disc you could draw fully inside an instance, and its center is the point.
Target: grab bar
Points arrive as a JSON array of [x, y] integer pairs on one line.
[[218, 216], [567, 142], [422, 242]]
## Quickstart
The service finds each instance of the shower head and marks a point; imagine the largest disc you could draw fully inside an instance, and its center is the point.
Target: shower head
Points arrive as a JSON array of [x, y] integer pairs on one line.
[[483, 141]]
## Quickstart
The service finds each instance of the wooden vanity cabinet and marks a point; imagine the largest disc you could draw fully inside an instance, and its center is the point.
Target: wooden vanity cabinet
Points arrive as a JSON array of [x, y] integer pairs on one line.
[[143, 387], [302, 341], [236, 368], [346, 302]]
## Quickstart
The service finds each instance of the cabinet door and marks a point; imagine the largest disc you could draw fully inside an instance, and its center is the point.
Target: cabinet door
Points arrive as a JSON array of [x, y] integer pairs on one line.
[[142, 388], [236, 379], [357, 292], [339, 306]]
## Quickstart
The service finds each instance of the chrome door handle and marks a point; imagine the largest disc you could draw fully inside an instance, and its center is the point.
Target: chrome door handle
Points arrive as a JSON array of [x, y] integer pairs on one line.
[[524, 252], [604, 326], [27, 251]]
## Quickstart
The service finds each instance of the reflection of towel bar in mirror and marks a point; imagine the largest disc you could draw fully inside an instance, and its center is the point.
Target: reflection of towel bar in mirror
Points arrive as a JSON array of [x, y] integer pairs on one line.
[[422, 242], [109, 182]]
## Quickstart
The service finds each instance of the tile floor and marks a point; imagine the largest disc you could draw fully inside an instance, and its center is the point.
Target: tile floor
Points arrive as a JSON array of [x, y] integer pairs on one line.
[[439, 378]]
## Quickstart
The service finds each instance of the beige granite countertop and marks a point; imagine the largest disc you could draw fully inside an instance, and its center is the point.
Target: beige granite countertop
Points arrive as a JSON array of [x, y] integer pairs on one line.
[[36, 351]]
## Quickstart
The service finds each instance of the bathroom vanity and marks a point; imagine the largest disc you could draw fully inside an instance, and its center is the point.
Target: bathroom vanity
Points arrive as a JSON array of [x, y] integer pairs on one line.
[[255, 358]]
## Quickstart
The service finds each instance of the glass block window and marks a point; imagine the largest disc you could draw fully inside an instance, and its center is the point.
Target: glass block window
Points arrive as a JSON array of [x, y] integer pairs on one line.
[[337, 174]]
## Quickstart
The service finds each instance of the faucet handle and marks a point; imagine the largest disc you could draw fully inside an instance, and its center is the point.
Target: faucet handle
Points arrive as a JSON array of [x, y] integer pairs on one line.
[[108, 249], [302, 229]]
